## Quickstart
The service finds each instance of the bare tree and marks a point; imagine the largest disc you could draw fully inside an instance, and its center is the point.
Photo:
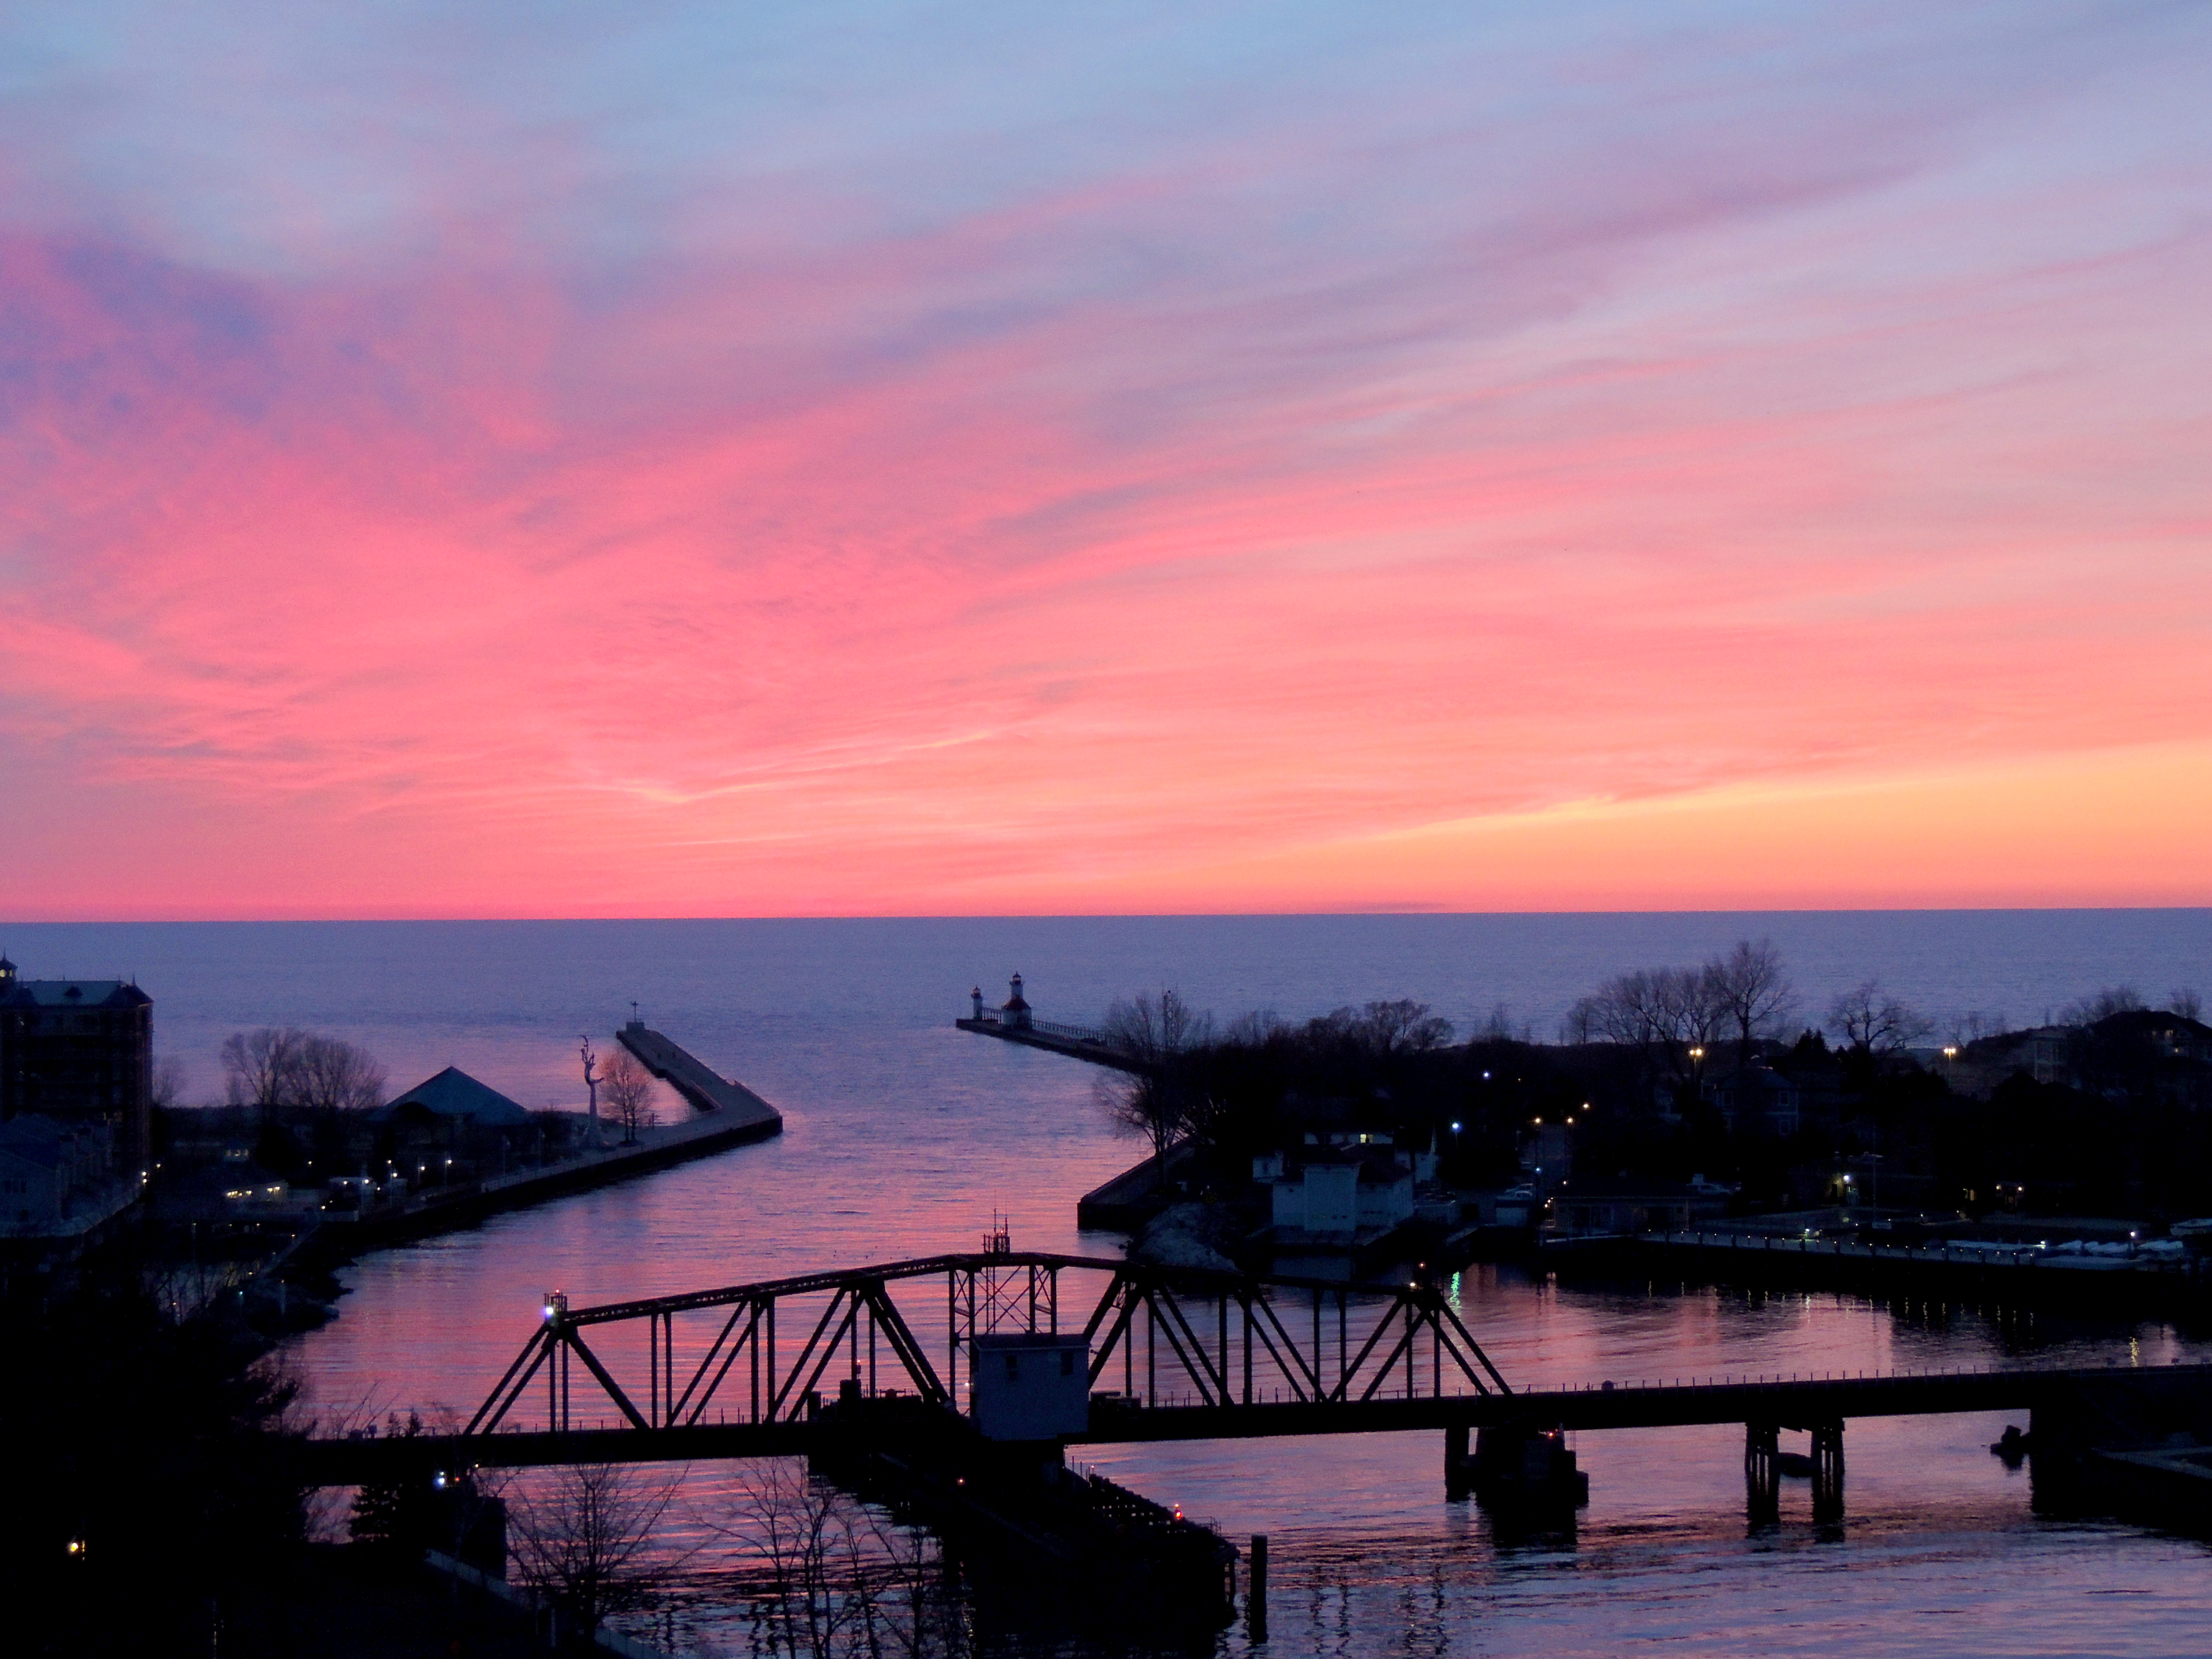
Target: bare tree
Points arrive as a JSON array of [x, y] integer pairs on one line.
[[1661, 1012], [1159, 1033], [1156, 1029], [583, 1536], [1402, 1027], [332, 1075], [629, 1090], [1752, 990], [1873, 1022], [1624, 1010], [843, 1580], [1692, 1009], [2186, 1003], [2112, 999], [1145, 1105], [803, 1529], [167, 1090], [1974, 1024], [262, 1068]]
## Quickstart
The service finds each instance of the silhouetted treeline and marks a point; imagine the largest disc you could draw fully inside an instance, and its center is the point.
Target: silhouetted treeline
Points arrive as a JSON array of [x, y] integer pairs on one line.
[[1698, 1069]]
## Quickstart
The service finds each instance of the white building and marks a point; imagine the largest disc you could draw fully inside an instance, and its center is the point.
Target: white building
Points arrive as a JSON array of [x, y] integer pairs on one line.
[[1338, 1194]]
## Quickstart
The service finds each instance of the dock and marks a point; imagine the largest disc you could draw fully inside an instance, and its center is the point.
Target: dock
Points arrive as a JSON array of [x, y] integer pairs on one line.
[[1935, 1271], [735, 1107]]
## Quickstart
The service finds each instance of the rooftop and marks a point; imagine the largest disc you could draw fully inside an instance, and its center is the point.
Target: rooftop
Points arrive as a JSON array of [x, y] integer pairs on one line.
[[453, 1093], [73, 994]]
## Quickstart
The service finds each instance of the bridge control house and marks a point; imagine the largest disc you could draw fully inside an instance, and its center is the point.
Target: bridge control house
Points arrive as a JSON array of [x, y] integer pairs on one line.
[[1032, 1386]]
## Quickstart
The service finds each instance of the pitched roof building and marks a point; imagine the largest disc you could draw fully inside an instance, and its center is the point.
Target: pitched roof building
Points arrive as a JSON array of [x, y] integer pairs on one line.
[[454, 1095]]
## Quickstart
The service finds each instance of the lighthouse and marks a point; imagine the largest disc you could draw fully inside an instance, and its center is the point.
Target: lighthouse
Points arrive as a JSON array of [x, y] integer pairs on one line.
[[1015, 1011]]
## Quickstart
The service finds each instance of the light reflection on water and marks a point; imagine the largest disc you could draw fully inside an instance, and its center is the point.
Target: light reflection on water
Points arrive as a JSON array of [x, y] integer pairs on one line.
[[903, 1135]]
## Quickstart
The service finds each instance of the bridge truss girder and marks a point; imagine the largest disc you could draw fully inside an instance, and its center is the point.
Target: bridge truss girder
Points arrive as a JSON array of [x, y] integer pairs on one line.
[[991, 1291], [1407, 1312]]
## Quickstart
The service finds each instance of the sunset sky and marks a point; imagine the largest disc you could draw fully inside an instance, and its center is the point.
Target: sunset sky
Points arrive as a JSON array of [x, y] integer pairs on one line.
[[563, 459]]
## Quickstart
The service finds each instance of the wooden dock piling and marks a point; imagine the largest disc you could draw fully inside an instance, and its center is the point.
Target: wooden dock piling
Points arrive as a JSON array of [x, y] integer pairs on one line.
[[1255, 1592]]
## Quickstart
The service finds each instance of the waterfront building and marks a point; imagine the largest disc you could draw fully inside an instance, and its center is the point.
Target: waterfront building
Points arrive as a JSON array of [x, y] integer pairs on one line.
[[1601, 1206], [1757, 1099], [1014, 1012], [453, 1096], [1340, 1194], [447, 1119], [81, 1052]]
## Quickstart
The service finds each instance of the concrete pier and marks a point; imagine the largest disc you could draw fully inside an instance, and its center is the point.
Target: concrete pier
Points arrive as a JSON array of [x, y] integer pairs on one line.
[[1075, 1041], [734, 1106]]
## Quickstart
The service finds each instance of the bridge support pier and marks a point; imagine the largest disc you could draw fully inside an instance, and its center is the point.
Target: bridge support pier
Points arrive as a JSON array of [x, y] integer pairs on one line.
[[1828, 1471], [1762, 1473], [1459, 1469]]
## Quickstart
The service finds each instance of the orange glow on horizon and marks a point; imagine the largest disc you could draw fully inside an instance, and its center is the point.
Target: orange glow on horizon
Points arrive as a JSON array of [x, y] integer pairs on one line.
[[805, 515]]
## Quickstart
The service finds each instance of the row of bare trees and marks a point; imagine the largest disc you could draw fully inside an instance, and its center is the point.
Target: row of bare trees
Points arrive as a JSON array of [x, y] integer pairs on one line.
[[1675, 1015], [282, 1067]]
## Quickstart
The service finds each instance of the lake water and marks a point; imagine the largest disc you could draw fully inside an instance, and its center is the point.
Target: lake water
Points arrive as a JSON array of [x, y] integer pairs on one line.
[[904, 1135]]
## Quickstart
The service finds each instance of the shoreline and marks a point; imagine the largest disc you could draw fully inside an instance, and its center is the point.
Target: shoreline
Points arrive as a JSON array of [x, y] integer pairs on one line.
[[329, 1243]]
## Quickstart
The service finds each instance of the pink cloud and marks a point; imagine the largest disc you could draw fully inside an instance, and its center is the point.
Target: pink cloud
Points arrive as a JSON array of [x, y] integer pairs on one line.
[[1193, 515]]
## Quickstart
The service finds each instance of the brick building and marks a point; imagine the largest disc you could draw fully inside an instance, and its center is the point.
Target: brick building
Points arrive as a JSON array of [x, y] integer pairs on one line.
[[81, 1052]]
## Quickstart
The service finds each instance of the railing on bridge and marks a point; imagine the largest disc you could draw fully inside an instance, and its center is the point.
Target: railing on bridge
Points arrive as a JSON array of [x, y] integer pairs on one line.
[[1232, 1338]]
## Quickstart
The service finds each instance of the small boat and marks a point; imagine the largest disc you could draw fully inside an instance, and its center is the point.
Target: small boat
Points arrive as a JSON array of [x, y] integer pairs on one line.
[[1795, 1465]]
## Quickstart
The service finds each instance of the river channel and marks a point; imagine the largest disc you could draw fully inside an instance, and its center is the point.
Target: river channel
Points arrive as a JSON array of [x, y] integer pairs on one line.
[[905, 1136]]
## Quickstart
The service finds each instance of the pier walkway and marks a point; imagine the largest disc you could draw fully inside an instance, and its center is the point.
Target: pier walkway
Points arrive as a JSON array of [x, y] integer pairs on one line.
[[1015, 1021], [735, 1107], [1076, 1042]]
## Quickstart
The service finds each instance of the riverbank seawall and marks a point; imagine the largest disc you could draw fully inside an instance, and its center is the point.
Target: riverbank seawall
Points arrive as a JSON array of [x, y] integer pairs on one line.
[[339, 1238]]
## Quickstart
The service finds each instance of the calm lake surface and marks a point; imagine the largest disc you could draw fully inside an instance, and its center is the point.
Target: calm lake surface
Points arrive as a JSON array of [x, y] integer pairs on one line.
[[904, 1135]]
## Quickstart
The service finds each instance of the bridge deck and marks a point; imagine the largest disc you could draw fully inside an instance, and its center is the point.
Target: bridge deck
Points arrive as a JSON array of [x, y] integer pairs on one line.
[[1788, 1402]]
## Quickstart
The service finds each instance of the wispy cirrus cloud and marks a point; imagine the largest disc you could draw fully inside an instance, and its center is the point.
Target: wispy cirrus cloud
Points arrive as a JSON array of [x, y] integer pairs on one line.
[[868, 460]]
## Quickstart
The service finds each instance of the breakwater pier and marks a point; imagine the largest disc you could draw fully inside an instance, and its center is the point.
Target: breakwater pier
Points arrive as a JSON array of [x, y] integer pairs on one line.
[[1015, 1021], [723, 1115], [732, 1106]]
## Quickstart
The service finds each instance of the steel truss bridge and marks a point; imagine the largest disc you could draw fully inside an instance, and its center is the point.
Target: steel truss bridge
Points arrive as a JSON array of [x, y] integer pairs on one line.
[[1176, 1353], [757, 1355]]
